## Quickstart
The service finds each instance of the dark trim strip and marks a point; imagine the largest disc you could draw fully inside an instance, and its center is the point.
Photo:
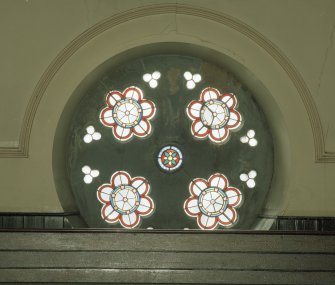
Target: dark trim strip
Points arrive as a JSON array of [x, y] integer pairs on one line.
[[188, 232], [64, 221], [170, 251], [164, 269]]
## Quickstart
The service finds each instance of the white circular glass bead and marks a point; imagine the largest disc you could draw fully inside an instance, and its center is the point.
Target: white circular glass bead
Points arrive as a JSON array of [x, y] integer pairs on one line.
[[251, 133], [190, 84], [86, 169], [96, 136], [88, 179], [196, 78], [188, 75], [253, 142], [251, 183], [90, 130], [147, 77], [244, 177], [153, 83], [252, 174], [156, 75], [87, 138], [244, 139], [95, 173]]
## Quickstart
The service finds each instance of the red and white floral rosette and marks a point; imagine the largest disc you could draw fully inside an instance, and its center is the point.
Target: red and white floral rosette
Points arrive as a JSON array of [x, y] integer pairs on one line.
[[213, 202], [214, 115], [125, 199], [128, 113]]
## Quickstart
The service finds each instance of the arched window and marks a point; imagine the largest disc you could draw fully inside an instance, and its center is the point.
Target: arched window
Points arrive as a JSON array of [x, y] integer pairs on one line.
[[169, 142]]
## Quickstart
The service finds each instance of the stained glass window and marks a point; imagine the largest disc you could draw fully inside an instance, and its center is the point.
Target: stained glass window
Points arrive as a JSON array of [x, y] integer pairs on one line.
[[169, 142]]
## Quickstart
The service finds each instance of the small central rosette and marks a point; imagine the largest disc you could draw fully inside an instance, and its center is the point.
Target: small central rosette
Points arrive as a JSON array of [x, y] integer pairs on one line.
[[170, 158]]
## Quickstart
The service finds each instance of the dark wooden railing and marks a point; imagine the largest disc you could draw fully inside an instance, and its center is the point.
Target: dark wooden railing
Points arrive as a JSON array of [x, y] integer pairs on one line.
[[166, 257]]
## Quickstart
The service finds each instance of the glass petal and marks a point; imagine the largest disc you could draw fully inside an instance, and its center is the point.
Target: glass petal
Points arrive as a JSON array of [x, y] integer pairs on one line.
[[149, 109], [218, 180], [113, 97], [141, 184], [209, 94], [191, 207], [133, 92], [104, 192], [130, 221], [108, 214], [199, 129], [120, 177], [122, 134], [146, 206], [142, 129], [228, 217], [106, 117], [193, 110], [207, 223], [197, 185], [218, 135], [230, 100], [234, 196], [234, 120]]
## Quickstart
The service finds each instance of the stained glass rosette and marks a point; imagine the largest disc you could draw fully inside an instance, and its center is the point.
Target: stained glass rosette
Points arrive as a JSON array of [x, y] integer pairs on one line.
[[125, 200], [170, 158], [128, 113], [214, 115], [213, 202]]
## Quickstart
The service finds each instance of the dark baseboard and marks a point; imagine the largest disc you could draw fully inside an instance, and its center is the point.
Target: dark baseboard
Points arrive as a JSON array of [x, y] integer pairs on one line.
[[317, 224], [73, 220], [65, 220]]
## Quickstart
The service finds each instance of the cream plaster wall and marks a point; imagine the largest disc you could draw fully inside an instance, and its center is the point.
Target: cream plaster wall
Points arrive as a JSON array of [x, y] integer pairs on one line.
[[34, 32]]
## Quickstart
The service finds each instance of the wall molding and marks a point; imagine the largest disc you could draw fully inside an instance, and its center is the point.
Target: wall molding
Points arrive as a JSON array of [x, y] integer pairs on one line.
[[22, 151]]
